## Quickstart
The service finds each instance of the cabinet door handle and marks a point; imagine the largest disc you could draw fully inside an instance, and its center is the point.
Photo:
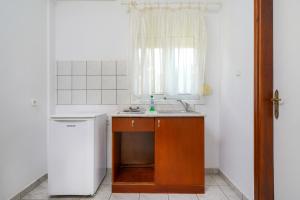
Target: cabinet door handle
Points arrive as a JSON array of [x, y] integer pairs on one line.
[[132, 123], [158, 123]]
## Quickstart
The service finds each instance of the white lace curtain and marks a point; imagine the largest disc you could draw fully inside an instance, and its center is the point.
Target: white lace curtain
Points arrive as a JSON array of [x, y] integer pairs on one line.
[[168, 51]]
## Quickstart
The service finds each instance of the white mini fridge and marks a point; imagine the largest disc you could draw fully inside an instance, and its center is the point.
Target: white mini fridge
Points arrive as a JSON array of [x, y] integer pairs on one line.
[[76, 154]]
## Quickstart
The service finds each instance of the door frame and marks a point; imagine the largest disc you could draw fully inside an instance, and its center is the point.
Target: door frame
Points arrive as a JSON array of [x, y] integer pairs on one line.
[[263, 106]]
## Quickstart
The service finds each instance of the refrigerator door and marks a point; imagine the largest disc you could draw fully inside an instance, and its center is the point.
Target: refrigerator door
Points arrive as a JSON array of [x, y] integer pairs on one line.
[[70, 157]]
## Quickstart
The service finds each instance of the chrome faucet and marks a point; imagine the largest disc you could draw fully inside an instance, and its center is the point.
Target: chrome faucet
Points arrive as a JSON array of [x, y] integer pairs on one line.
[[187, 106]]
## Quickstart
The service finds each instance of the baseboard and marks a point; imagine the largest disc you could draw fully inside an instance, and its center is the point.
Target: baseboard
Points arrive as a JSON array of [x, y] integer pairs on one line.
[[29, 188], [211, 171], [235, 189]]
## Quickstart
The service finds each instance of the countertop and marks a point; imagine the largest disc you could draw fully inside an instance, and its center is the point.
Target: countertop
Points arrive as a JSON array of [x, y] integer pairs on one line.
[[76, 115], [157, 114]]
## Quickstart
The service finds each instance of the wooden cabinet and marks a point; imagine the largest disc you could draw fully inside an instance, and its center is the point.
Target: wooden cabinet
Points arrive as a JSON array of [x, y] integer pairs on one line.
[[158, 154], [133, 124], [179, 153]]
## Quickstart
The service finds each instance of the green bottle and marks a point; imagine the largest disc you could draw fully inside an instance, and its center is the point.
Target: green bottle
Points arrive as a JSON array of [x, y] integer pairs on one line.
[[152, 107]]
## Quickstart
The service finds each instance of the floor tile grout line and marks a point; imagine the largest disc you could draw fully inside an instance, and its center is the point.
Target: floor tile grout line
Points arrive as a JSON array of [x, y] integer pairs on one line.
[[219, 186], [110, 196], [197, 195], [230, 187], [214, 181], [223, 192]]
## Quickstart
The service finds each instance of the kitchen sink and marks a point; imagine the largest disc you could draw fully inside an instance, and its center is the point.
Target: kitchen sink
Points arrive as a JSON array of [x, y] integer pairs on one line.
[[176, 112], [125, 112]]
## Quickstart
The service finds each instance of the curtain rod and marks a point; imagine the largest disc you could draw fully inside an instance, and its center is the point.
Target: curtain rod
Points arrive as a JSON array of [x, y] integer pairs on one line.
[[134, 2], [213, 6]]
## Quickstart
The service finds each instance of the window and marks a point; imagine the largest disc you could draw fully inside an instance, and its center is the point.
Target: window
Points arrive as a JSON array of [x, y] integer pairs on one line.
[[168, 52], [182, 61]]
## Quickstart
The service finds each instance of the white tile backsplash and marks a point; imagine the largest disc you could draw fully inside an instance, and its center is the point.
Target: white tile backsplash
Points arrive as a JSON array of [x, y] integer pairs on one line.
[[122, 82], [79, 68], [123, 97], [79, 82], [64, 68], [64, 97], [93, 68], [93, 97], [122, 67], [64, 82], [109, 68], [94, 82], [78, 97], [109, 97], [109, 82]]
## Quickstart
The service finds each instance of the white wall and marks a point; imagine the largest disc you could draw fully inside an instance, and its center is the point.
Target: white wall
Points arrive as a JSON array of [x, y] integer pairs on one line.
[[237, 97], [22, 77], [286, 80], [91, 30], [100, 30]]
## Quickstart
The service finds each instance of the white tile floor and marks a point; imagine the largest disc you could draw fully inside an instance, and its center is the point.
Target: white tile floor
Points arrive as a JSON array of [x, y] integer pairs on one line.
[[216, 189]]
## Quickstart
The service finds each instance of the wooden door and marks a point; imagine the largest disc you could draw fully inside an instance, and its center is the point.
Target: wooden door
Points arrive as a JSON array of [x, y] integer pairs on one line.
[[263, 122], [179, 151]]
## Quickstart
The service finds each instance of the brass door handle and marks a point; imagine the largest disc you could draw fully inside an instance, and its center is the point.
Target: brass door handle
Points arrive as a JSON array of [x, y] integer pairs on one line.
[[276, 100], [132, 123]]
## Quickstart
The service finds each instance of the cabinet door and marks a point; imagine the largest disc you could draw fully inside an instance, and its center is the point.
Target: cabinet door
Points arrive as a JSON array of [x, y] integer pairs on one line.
[[179, 151]]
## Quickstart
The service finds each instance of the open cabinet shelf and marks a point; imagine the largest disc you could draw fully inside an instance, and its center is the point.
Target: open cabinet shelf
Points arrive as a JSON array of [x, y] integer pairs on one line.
[[135, 174], [134, 157]]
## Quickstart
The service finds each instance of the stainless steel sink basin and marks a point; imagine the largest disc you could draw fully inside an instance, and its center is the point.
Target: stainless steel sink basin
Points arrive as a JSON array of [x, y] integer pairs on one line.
[[122, 112], [175, 112]]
